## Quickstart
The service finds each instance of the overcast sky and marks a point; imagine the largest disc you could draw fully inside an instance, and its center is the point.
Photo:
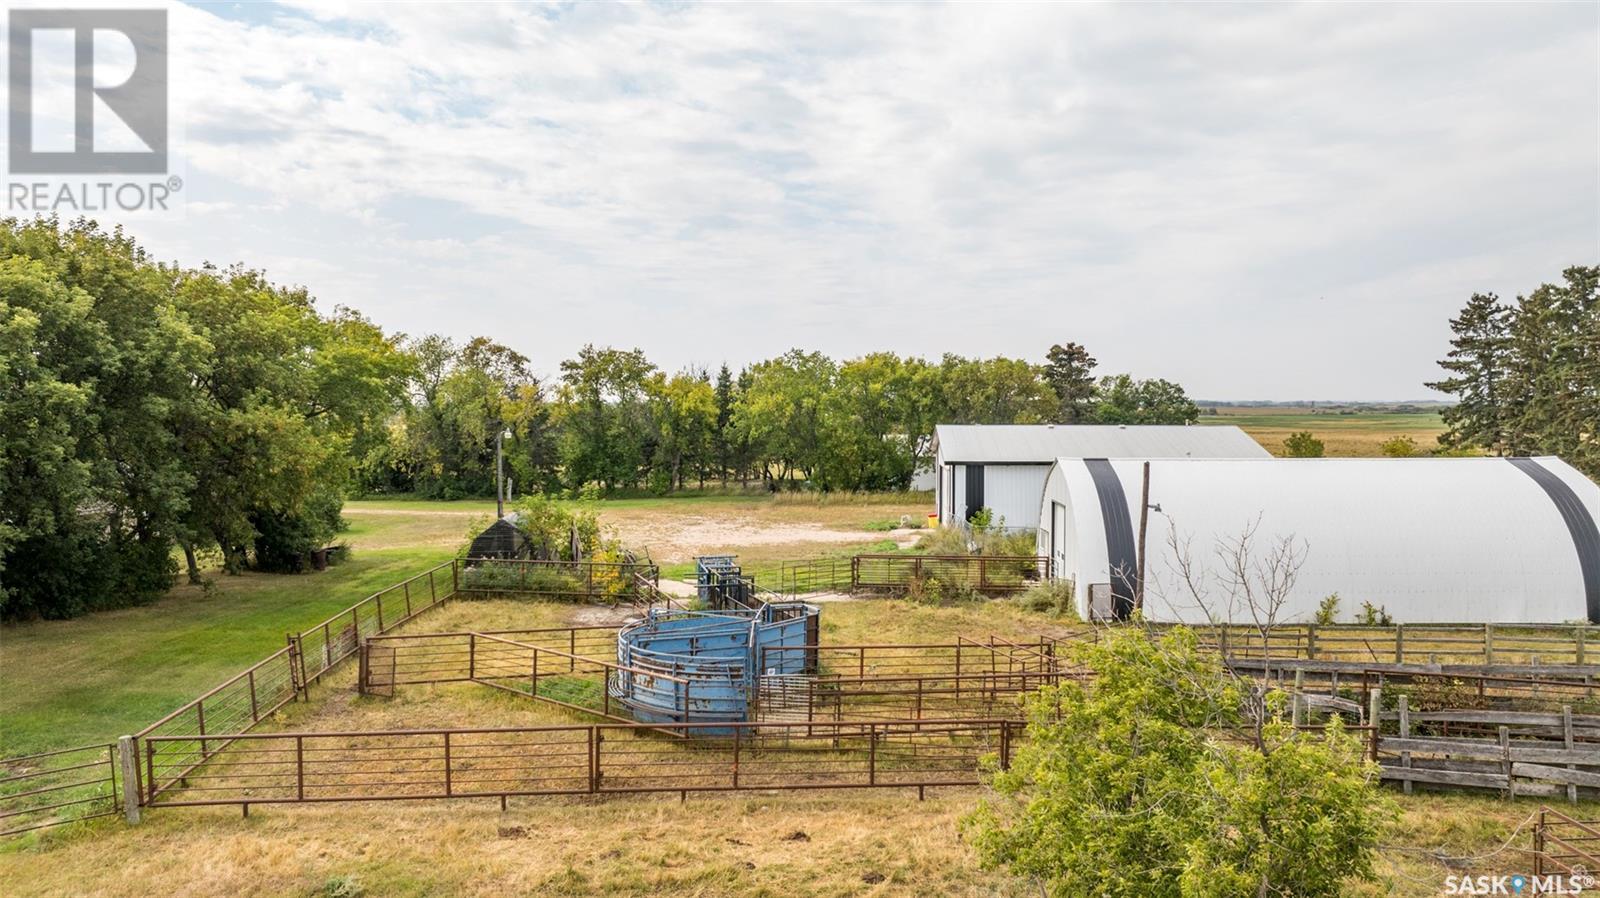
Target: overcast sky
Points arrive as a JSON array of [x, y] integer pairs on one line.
[[1258, 201]]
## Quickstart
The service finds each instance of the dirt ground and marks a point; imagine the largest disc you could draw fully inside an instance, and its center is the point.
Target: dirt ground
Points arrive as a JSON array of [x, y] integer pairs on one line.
[[671, 533]]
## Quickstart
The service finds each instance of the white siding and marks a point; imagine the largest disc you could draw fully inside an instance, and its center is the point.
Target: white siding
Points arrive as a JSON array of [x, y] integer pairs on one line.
[[1012, 493]]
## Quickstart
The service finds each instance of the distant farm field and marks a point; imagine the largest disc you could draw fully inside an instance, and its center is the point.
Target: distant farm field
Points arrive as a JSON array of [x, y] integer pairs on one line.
[[1348, 432]]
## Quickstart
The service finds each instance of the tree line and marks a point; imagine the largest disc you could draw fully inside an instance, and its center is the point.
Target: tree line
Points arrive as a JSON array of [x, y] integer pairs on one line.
[[1526, 373], [613, 420], [154, 416], [149, 408]]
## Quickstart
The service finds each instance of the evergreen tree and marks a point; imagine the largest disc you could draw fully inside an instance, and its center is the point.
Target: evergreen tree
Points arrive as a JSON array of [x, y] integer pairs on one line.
[[1478, 361], [1069, 370], [721, 441]]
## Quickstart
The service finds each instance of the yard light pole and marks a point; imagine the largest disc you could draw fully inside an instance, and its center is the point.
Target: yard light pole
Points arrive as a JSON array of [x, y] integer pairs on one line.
[[500, 474], [1144, 522]]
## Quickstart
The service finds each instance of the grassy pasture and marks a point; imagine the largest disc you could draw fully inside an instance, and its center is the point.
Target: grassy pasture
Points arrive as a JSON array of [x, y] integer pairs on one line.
[[850, 843], [97, 677], [74, 681], [1359, 434]]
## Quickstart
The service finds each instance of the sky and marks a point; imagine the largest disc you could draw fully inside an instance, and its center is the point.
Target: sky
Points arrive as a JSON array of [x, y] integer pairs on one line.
[[1258, 201]]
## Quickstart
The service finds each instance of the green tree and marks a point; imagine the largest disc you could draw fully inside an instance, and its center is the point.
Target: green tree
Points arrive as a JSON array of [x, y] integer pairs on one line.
[[723, 438], [1069, 370], [1301, 444], [873, 419], [1123, 400], [1478, 361], [1135, 782], [1526, 376], [603, 414], [993, 391], [148, 405], [781, 413], [683, 408]]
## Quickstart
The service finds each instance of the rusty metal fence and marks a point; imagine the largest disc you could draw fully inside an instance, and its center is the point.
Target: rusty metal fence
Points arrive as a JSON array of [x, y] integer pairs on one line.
[[993, 574], [453, 657], [56, 787], [263, 768], [628, 582], [1565, 846], [323, 646]]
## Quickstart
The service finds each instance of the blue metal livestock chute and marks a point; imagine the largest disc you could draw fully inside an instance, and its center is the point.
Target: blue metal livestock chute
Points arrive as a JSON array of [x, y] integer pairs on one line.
[[700, 666]]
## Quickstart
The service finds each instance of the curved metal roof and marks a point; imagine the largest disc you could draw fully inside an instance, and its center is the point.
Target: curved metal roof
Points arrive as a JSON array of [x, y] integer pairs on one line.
[[1457, 540], [1044, 443]]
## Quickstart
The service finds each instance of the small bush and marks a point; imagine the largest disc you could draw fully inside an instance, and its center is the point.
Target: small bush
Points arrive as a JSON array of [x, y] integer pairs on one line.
[[1049, 597], [1328, 611], [1302, 444], [1399, 447], [1374, 616]]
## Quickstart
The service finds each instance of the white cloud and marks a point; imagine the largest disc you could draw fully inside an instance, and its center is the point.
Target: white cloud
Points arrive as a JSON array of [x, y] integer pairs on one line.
[[1255, 200]]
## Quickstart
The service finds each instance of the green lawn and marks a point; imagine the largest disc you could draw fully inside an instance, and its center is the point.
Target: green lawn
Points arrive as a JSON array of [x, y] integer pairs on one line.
[[97, 677], [107, 674]]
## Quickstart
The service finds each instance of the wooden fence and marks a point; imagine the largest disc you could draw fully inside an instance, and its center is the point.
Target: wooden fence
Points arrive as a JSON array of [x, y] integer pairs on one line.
[[1485, 644]]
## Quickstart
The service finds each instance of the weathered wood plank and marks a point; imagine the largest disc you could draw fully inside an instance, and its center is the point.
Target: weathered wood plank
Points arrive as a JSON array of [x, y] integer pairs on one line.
[[1490, 751], [1556, 774], [1445, 777]]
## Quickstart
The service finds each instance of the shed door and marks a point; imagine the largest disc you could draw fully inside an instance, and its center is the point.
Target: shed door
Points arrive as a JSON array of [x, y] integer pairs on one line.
[[974, 489], [1058, 539]]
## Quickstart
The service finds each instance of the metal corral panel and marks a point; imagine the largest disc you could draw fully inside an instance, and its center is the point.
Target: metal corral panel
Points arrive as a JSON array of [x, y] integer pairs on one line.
[[1487, 540]]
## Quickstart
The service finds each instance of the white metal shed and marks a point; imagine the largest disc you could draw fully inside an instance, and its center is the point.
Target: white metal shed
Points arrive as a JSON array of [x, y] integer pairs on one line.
[[1002, 467], [1479, 540]]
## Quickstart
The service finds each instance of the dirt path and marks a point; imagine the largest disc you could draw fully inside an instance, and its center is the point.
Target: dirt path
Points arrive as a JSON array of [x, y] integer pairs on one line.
[[670, 537]]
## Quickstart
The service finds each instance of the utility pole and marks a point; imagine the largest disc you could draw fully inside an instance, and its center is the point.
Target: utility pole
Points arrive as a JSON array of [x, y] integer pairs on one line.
[[1144, 523], [499, 474]]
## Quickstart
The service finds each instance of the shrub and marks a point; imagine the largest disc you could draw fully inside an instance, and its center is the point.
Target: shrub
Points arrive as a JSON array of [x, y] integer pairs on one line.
[[1134, 783], [1328, 610], [1374, 616], [1302, 444], [1049, 597], [1399, 447]]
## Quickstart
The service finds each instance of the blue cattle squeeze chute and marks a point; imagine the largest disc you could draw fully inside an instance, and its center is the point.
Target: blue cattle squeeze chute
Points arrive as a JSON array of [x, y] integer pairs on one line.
[[703, 666]]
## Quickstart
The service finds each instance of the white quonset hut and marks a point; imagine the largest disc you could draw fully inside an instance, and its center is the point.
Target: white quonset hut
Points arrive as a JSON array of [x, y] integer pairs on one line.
[[1463, 540], [1002, 467]]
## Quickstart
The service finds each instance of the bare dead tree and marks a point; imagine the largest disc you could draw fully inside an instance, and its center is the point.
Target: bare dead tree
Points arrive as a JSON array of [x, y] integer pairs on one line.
[[1251, 576]]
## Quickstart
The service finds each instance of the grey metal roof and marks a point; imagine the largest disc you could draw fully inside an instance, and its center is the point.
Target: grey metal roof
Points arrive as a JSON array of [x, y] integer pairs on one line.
[[1044, 443]]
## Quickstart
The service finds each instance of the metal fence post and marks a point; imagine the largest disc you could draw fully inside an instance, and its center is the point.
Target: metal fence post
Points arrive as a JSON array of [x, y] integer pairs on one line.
[[150, 771], [447, 787], [128, 759], [872, 754]]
